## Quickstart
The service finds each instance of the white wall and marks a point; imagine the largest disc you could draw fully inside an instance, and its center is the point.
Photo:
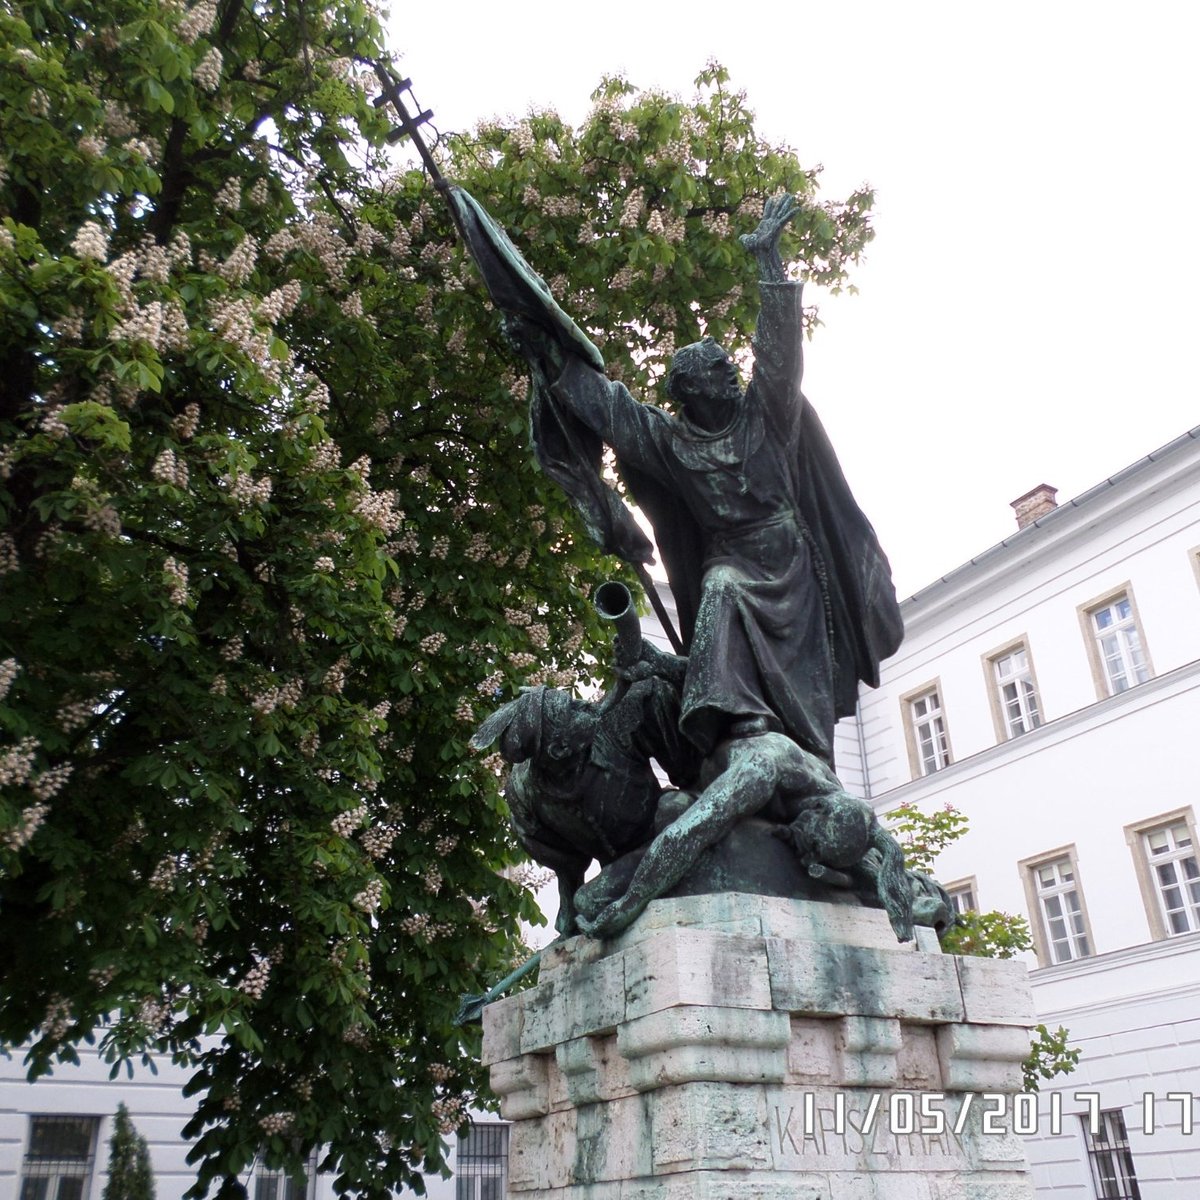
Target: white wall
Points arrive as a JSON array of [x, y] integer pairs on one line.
[[1076, 781], [1097, 765], [156, 1106], [1136, 1017]]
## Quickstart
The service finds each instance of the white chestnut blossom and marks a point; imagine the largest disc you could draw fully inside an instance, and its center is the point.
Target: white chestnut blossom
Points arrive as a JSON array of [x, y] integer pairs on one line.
[[345, 823], [379, 509], [280, 302], [144, 324], [9, 559], [180, 250], [9, 670], [74, 714], [335, 677], [247, 490], [431, 643], [164, 873], [184, 426], [378, 840], [207, 74], [448, 1112], [631, 210], [276, 1123], [198, 20], [370, 898], [91, 242], [254, 982], [48, 784], [176, 575], [240, 263], [57, 1019], [168, 468], [28, 823]]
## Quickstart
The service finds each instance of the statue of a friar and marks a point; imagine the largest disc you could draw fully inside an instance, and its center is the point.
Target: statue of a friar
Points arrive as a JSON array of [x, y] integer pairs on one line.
[[784, 595]]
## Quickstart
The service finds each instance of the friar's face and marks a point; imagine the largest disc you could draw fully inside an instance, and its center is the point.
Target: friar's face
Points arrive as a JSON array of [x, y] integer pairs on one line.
[[705, 381]]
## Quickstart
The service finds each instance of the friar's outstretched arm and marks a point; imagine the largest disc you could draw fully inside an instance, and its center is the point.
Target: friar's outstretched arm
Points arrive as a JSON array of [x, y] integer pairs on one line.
[[778, 334]]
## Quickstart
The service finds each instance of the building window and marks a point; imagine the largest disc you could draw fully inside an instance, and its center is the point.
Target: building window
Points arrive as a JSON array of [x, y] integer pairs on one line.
[[1108, 1152], [1172, 858], [1016, 695], [481, 1168], [274, 1183], [1168, 871], [1118, 650], [962, 896], [1060, 927], [929, 741], [58, 1162]]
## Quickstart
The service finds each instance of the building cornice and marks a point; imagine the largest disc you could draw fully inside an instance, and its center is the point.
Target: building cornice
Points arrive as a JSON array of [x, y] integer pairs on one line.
[[1127, 958], [1102, 712]]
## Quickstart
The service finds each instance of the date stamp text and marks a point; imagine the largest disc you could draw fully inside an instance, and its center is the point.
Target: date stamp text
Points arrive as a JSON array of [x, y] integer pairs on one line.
[[934, 1115]]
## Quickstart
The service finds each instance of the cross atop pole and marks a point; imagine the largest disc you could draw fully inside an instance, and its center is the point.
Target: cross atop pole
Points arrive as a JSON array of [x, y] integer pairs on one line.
[[410, 125]]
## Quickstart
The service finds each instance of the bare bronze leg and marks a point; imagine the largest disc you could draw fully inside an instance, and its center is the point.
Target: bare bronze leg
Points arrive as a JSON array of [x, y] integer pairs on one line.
[[757, 767]]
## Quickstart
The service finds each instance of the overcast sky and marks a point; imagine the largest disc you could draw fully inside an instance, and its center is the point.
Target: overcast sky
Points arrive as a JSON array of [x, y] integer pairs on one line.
[[1027, 312]]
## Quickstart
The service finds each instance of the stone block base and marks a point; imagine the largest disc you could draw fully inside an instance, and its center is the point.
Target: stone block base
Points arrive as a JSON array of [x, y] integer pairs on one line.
[[750, 1046]]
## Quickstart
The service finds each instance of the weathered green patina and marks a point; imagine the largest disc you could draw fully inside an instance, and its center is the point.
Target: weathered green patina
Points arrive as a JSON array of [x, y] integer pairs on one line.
[[785, 602]]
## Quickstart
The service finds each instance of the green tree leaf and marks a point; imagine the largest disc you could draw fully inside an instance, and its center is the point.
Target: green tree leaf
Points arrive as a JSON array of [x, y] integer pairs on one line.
[[273, 544]]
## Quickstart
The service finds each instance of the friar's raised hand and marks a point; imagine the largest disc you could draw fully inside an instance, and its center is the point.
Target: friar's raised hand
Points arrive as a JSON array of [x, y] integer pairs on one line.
[[763, 243]]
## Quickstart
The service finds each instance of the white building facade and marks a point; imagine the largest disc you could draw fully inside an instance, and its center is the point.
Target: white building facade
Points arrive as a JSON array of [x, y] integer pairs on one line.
[[1050, 690], [54, 1139]]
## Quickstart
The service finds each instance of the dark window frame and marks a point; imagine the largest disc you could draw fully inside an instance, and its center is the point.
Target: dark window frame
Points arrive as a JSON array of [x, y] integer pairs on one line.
[[1111, 1161]]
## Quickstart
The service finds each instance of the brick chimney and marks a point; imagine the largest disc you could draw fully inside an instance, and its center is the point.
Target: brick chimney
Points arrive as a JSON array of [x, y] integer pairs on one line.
[[1035, 504]]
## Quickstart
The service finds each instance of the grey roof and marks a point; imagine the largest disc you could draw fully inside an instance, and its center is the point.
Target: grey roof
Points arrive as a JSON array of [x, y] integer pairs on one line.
[[1060, 513]]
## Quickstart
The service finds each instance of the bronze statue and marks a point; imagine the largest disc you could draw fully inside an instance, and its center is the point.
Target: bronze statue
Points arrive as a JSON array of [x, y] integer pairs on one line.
[[784, 594]]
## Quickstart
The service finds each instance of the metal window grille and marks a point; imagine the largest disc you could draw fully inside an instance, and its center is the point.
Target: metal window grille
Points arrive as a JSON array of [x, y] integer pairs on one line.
[[1018, 698], [929, 728], [276, 1185], [58, 1161], [271, 1183], [1111, 1161], [481, 1172], [1120, 645], [1176, 875], [1062, 910]]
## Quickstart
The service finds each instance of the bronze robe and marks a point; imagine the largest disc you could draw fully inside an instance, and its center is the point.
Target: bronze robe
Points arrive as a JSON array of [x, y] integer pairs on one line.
[[784, 594]]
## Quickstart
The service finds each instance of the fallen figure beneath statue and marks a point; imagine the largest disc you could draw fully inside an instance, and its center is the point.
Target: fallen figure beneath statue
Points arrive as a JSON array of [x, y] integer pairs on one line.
[[759, 815]]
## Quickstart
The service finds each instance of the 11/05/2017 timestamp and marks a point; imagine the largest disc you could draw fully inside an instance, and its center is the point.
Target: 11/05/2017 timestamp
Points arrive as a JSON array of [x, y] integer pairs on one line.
[[936, 1113]]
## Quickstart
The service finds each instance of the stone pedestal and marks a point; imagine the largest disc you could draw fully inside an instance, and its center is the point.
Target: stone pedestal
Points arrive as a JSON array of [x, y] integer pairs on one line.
[[735, 1046]]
